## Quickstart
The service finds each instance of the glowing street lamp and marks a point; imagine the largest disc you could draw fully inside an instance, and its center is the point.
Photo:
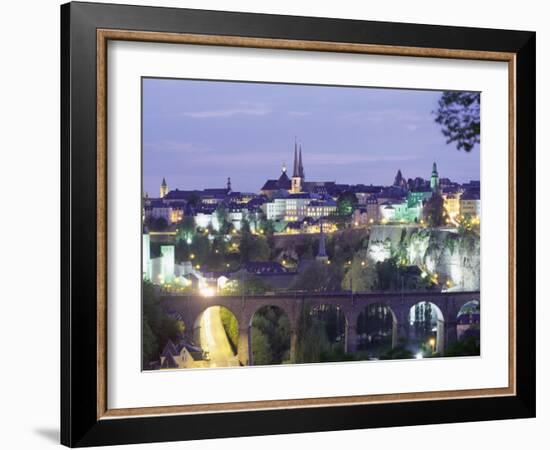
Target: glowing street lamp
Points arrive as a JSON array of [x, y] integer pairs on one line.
[[206, 291], [432, 344]]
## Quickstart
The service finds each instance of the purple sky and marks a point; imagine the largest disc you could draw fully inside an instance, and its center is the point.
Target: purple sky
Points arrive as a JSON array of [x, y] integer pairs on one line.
[[198, 133]]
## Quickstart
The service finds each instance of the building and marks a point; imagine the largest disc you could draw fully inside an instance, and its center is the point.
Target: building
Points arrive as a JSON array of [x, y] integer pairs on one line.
[[360, 217], [321, 208], [163, 188], [399, 181], [470, 204], [274, 187], [434, 180], [452, 203], [181, 356], [373, 212], [298, 175]]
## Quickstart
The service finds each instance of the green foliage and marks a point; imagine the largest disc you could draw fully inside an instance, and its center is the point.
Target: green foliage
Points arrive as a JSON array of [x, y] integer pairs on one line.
[[320, 277], [253, 285], [157, 224], [458, 115], [375, 328], [424, 321], [270, 336], [231, 327], [320, 334], [157, 327], [466, 347], [360, 276], [253, 248], [185, 229], [194, 200], [451, 243], [261, 348], [434, 211], [398, 352], [311, 339], [149, 349], [346, 203]]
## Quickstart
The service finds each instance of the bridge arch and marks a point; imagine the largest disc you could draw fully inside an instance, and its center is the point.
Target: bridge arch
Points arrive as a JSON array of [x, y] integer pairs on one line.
[[221, 350], [334, 319], [427, 326], [377, 326], [269, 336], [468, 320]]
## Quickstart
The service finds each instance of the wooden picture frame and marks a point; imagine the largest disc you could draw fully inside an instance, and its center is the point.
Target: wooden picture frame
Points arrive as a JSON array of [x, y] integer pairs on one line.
[[86, 418]]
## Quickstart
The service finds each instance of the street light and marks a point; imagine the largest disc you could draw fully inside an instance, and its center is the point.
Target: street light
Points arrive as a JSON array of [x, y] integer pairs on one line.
[[206, 291]]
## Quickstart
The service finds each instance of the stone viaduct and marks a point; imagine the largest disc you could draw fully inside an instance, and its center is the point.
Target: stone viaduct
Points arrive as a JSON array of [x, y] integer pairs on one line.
[[351, 305]]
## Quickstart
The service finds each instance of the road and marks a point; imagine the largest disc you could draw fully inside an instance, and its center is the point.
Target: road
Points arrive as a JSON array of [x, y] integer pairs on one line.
[[214, 340]]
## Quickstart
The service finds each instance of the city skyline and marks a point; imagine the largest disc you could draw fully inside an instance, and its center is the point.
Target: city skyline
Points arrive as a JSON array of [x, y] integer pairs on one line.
[[196, 134]]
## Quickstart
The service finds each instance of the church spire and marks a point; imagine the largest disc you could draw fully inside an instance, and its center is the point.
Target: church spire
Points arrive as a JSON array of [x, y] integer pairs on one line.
[[296, 169], [434, 180], [300, 165], [163, 188], [322, 252]]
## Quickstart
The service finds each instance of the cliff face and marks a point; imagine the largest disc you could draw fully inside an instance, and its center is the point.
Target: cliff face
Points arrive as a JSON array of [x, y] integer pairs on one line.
[[453, 257]]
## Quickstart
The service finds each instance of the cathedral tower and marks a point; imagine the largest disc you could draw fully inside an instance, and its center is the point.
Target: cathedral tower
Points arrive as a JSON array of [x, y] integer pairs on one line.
[[163, 188], [321, 252], [298, 172], [434, 180]]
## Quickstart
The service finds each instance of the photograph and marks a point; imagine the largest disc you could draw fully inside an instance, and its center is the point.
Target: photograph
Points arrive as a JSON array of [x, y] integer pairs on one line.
[[294, 223]]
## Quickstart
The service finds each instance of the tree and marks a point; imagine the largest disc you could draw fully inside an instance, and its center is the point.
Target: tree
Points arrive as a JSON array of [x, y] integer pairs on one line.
[[270, 336], [361, 276], [253, 248], [224, 225], [311, 338], [434, 211], [193, 200], [185, 230], [466, 347], [157, 327], [346, 203], [458, 115], [158, 224], [320, 277]]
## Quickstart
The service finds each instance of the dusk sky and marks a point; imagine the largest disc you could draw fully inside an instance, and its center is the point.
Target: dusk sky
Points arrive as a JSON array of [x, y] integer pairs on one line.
[[198, 133]]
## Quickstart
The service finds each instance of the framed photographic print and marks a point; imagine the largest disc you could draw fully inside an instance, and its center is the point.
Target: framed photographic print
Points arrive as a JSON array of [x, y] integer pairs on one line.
[[277, 224]]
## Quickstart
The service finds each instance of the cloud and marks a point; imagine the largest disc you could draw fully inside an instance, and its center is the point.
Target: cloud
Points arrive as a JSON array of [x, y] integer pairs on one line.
[[231, 112]]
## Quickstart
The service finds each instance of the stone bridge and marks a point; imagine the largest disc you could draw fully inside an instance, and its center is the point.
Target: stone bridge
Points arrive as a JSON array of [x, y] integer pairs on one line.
[[351, 305]]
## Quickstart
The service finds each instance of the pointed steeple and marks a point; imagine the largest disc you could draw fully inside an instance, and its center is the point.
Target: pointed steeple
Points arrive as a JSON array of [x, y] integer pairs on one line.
[[163, 188], [434, 180], [228, 184], [322, 252], [296, 170], [300, 165]]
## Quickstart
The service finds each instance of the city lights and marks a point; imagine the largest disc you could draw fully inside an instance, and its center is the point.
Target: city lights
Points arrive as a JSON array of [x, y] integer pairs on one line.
[[207, 291]]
